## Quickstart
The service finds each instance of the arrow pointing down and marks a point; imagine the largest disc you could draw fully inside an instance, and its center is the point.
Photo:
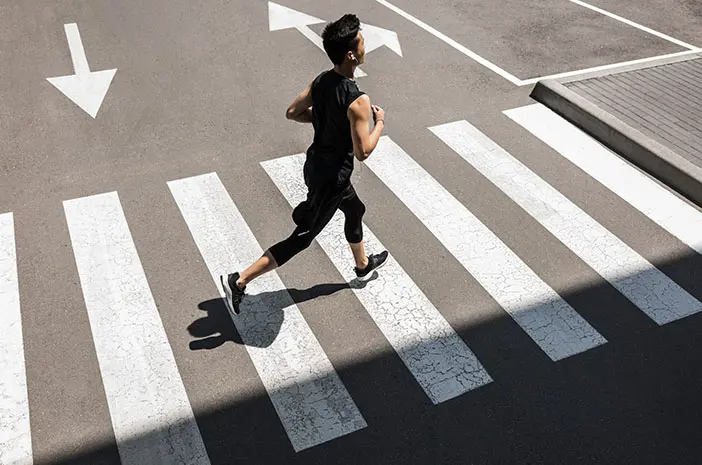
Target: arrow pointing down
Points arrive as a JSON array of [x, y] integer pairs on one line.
[[85, 88], [281, 17]]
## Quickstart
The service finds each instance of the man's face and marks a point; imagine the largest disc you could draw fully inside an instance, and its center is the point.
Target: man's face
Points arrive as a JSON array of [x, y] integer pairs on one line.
[[360, 49]]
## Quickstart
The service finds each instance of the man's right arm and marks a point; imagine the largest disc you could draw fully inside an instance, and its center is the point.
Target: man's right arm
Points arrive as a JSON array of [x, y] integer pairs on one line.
[[365, 140]]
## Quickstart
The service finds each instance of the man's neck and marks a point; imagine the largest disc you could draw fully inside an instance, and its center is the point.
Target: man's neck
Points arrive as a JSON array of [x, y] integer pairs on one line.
[[345, 69]]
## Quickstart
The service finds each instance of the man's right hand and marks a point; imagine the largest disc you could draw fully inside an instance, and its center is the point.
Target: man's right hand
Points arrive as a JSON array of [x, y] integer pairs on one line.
[[378, 113]]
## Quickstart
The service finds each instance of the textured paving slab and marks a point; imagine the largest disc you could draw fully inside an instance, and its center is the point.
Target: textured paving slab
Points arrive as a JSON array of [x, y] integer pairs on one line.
[[648, 114], [663, 102]]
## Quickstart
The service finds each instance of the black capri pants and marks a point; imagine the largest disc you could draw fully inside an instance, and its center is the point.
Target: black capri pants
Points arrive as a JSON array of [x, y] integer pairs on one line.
[[313, 214]]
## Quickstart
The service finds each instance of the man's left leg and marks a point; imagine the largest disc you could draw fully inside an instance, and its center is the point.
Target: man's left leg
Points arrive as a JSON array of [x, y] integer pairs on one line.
[[354, 209], [310, 217]]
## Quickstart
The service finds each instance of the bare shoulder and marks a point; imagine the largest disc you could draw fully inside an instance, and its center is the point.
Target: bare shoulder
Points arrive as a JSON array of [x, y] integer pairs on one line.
[[360, 107]]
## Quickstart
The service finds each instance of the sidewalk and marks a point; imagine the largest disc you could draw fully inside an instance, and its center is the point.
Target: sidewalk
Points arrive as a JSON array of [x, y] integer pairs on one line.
[[651, 115]]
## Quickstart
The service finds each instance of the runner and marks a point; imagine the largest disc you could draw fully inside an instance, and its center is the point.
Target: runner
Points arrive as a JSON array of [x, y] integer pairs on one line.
[[340, 115]]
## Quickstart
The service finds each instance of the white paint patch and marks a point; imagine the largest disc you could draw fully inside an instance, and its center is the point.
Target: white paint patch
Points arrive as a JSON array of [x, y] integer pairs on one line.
[[633, 24], [75, 45], [281, 17], [15, 433], [538, 309], [436, 356], [151, 415], [651, 60], [310, 399], [643, 284], [85, 88], [376, 37], [664, 208]]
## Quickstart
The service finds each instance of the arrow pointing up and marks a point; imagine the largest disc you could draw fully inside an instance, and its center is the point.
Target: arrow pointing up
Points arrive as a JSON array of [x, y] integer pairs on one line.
[[85, 88]]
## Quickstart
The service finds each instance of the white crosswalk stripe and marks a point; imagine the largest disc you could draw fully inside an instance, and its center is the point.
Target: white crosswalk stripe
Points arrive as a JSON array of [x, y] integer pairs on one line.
[[312, 402], [437, 357], [15, 434], [149, 409], [144, 390], [648, 288], [664, 208], [538, 309]]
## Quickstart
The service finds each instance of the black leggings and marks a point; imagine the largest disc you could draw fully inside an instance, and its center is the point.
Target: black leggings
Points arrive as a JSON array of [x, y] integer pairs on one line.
[[312, 215]]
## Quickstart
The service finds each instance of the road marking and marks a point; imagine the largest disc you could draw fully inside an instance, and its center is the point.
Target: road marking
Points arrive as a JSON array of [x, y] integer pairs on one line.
[[85, 88], [661, 206], [610, 66], [648, 288], [281, 17], [523, 82], [538, 309], [633, 24], [436, 356], [150, 411], [75, 45], [15, 433], [310, 399], [488, 64]]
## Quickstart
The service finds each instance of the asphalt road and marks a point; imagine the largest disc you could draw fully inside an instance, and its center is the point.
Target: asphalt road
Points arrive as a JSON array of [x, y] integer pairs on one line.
[[202, 87]]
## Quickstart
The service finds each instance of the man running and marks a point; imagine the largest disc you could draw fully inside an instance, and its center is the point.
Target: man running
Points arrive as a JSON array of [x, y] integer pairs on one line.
[[340, 115]]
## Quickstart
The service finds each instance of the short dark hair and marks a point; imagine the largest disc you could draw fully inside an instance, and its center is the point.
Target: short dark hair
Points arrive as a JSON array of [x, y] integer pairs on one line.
[[341, 36]]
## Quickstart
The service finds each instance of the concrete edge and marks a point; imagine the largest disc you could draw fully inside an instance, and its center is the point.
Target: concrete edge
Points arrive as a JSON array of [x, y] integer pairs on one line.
[[652, 157], [634, 67]]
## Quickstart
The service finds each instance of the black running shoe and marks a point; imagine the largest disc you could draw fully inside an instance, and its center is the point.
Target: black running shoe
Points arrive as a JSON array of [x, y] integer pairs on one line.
[[375, 261], [233, 294]]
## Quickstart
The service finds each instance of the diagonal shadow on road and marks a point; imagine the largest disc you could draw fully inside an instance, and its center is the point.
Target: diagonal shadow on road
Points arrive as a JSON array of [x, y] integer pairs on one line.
[[634, 399]]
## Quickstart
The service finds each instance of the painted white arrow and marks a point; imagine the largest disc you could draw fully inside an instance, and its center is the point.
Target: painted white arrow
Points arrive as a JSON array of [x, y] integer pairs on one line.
[[281, 17], [376, 37], [85, 88]]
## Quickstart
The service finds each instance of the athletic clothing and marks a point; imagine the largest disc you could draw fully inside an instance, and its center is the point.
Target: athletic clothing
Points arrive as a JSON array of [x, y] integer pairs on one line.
[[330, 157], [327, 169], [312, 215]]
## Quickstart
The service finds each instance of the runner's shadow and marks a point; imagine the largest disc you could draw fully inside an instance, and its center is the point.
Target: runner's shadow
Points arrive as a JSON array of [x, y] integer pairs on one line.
[[260, 319]]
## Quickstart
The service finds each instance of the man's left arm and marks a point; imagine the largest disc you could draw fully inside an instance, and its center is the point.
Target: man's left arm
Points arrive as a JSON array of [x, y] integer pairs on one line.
[[300, 109]]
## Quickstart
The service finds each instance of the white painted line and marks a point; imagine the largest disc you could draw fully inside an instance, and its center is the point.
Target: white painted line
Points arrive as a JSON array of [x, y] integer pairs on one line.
[[648, 288], [75, 45], [633, 24], [15, 433], [436, 356], [493, 67], [608, 67], [144, 391], [310, 399], [85, 88], [311, 36], [523, 82], [538, 309], [664, 208]]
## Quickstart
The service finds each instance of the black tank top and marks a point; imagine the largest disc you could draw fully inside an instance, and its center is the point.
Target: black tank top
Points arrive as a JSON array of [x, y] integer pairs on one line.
[[330, 158]]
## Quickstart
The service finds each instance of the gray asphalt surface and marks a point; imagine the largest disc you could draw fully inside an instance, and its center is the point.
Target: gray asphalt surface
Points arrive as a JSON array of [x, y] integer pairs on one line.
[[202, 86]]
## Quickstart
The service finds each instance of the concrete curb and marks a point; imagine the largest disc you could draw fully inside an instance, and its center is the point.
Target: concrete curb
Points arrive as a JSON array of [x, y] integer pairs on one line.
[[654, 158]]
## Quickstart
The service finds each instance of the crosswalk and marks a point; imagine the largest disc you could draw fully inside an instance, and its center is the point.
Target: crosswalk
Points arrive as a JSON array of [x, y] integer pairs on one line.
[[145, 391]]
